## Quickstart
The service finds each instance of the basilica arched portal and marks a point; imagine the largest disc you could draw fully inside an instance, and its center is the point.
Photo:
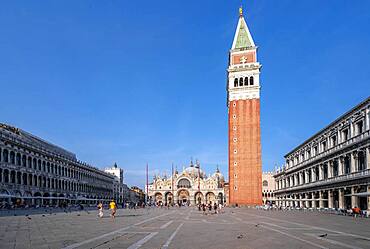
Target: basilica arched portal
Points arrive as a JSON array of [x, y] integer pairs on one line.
[[158, 198], [210, 197], [183, 196], [188, 187], [198, 198], [168, 198]]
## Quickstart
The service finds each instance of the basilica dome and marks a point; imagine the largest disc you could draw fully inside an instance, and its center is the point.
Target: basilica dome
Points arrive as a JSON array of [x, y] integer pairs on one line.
[[195, 171], [218, 175]]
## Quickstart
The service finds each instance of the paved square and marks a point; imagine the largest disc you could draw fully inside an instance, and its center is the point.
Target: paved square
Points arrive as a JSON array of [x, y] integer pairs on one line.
[[185, 228]]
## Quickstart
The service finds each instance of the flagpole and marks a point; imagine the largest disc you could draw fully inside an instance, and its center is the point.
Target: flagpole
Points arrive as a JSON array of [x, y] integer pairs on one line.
[[171, 184], [147, 184], [199, 177]]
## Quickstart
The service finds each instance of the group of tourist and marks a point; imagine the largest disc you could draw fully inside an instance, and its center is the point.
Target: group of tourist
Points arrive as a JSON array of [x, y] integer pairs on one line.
[[207, 208], [112, 207]]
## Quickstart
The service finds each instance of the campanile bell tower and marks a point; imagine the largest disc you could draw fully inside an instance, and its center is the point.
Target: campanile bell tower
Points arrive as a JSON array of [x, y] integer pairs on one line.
[[243, 101]]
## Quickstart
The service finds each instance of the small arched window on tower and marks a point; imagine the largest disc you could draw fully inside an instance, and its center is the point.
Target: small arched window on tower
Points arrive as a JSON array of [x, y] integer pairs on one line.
[[251, 81], [246, 81], [241, 82], [236, 82]]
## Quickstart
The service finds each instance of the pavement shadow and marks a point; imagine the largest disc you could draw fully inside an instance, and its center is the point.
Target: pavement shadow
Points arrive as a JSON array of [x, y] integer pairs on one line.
[[121, 216]]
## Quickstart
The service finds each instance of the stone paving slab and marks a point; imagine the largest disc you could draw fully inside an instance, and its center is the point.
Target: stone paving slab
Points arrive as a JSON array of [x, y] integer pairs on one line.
[[185, 228]]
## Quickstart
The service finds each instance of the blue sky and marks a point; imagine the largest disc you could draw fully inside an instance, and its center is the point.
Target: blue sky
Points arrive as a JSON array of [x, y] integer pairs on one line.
[[144, 81]]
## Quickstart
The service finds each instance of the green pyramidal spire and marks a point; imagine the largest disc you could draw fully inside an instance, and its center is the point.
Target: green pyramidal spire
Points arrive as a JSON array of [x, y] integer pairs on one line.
[[243, 38]]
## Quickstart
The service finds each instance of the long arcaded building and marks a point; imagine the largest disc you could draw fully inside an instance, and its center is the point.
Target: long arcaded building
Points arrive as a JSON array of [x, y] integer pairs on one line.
[[332, 168], [33, 171]]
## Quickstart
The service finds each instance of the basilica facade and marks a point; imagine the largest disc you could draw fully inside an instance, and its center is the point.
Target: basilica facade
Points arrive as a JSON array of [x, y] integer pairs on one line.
[[189, 187]]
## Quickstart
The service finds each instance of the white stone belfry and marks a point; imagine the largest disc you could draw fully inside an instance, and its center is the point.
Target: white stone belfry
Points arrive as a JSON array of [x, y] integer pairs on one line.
[[244, 70]]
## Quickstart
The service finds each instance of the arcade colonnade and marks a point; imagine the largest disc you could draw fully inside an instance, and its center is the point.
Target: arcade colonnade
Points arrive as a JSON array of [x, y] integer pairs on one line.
[[32, 171], [332, 168]]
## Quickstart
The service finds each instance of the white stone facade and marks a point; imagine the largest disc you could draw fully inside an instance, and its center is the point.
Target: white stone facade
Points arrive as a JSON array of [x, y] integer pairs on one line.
[[118, 185], [268, 187], [332, 168], [36, 172], [189, 187]]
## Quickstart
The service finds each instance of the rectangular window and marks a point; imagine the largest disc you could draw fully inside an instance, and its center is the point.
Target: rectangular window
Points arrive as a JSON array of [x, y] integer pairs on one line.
[[344, 135], [333, 141], [325, 171], [323, 146], [359, 127]]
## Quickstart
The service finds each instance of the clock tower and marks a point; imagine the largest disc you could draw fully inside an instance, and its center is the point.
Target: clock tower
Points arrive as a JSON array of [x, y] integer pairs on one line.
[[243, 102]]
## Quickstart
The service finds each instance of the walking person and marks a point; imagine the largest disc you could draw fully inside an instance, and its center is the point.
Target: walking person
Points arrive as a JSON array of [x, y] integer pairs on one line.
[[100, 208], [220, 207], [215, 208], [113, 208]]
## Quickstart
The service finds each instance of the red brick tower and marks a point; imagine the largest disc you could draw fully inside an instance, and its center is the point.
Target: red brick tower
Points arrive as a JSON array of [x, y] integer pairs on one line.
[[243, 93]]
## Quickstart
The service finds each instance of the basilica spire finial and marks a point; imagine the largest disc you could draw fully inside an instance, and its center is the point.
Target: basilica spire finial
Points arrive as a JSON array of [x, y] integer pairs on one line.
[[241, 11]]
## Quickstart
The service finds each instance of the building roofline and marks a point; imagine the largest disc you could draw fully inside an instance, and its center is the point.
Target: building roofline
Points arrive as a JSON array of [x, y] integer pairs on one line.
[[364, 102]]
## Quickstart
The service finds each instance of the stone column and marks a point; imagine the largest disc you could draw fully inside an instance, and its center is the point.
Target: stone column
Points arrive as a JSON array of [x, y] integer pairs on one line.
[[305, 172], [341, 198], [301, 196], [368, 157], [330, 198], [353, 159], [321, 172], [330, 169], [313, 174], [307, 202], [295, 180], [339, 137], [313, 202], [301, 177], [321, 201], [368, 199], [340, 166], [354, 198]]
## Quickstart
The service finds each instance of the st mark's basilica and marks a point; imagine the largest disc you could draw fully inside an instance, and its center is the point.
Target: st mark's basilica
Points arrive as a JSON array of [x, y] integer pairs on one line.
[[189, 187]]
